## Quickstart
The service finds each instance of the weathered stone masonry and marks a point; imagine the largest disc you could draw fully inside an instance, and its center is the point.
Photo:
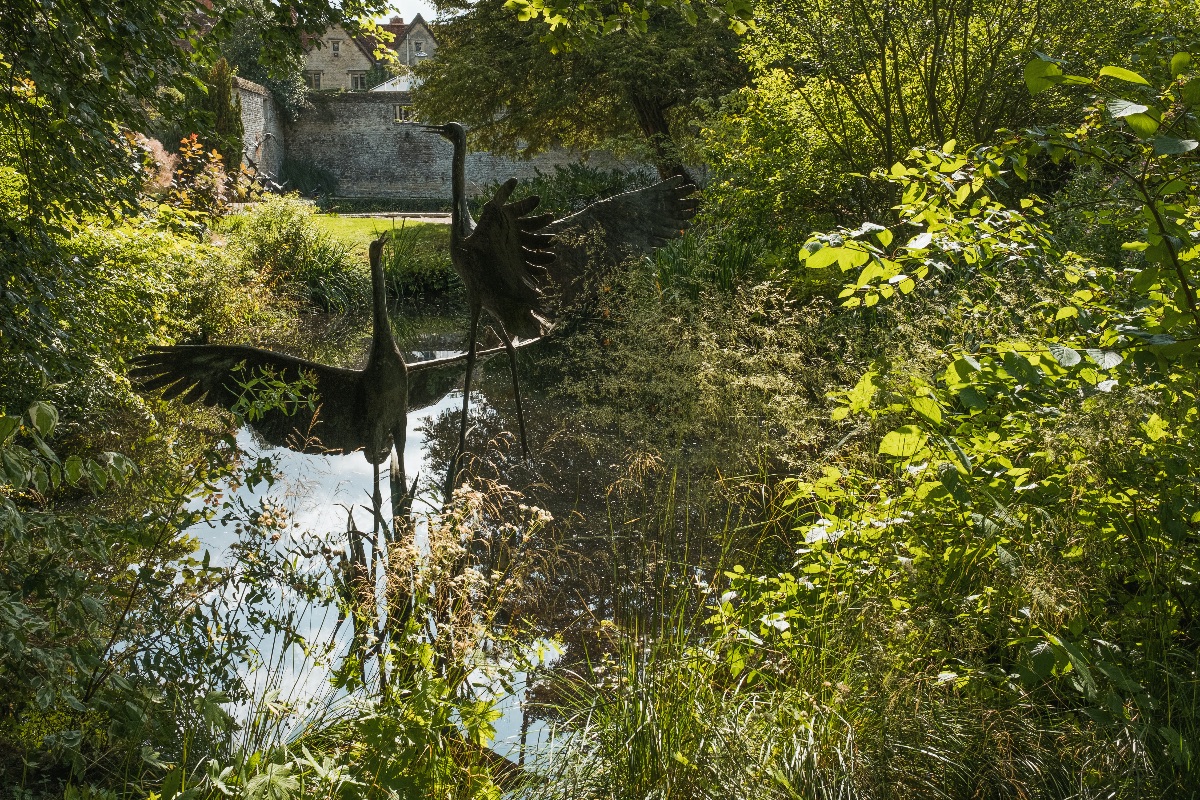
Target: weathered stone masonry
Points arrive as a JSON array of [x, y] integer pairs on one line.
[[263, 134], [355, 137]]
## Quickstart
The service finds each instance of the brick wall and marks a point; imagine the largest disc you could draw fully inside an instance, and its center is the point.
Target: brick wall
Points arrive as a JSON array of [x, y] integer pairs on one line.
[[263, 134], [356, 138]]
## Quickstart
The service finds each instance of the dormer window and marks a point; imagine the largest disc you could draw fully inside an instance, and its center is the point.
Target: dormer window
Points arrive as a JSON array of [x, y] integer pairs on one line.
[[335, 47]]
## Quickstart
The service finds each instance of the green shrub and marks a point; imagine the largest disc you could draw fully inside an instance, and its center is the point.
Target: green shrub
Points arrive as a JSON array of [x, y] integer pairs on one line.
[[121, 289], [307, 178], [416, 261], [572, 187], [280, 239], [707, 259]]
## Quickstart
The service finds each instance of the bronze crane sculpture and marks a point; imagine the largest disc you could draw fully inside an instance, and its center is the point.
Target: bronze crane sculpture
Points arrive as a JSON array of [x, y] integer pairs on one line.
[[501, 261], [526, 266]]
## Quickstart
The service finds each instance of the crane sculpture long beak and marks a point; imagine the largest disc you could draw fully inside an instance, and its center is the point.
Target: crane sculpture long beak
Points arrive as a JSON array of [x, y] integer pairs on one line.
[[438, 129]]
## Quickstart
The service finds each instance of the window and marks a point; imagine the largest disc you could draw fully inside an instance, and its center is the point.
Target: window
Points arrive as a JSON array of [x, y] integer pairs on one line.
[[335, 47], [420, 45], [313, 79], [358, 81], [403, 113]]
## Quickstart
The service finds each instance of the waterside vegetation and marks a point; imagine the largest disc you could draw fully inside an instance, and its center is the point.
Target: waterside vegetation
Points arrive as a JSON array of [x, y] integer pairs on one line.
[[880, 482]]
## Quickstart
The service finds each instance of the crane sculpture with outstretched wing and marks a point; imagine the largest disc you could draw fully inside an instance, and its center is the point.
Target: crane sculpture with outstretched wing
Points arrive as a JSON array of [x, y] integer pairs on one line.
[[363, 409]]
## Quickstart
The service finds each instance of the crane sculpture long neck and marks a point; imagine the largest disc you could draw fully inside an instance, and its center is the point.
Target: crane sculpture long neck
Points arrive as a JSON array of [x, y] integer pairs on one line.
[[382, 340], [460, 216]]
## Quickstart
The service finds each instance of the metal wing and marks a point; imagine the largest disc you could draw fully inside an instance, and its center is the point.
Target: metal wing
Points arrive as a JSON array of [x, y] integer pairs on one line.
[[507, 260], [216, 374], [430, 381], [594, 241]]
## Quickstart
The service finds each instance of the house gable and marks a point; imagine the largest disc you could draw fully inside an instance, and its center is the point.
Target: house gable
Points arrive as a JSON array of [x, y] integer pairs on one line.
[[341, 61], [413, 42]]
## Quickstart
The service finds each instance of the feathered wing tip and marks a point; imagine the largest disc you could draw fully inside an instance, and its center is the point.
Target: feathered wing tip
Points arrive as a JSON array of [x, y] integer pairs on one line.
[[508, 258], [590, 244], [179, 373], [216, 374]]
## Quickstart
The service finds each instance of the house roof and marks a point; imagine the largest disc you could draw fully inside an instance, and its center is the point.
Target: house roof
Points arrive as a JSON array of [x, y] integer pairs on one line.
[[399, 30], [367, 44]]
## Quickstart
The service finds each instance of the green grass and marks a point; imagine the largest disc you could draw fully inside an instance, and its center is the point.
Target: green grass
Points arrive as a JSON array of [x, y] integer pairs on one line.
[[416, 261], [358, 232]]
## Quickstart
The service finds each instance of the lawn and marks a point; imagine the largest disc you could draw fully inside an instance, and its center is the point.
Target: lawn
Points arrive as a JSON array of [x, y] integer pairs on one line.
[[357, 232]]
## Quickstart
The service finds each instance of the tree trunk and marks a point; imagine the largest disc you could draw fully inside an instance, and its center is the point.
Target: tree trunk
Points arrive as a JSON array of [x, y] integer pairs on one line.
[[651, 115]]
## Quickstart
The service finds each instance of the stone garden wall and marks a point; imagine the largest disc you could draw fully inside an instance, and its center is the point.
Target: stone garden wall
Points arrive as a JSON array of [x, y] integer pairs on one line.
[[365, 142], [263, 134]]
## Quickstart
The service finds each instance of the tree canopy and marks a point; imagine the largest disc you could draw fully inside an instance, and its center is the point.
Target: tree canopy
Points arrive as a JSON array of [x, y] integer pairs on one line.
[[80, 74], [520, 92]]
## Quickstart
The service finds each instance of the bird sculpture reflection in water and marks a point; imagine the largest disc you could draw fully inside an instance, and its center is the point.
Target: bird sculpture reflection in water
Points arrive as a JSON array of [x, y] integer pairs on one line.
[[363, 409], [526, 270]]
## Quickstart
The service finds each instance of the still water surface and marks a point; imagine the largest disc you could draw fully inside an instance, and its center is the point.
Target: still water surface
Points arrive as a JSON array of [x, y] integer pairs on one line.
[[320, 494]]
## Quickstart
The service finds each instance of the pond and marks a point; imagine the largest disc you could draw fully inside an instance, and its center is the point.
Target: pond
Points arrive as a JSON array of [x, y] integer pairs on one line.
[[610, 552]]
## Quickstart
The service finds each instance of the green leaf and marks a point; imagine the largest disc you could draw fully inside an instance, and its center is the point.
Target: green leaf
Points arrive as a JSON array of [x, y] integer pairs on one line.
[[1156, 428], [1143, 125], [7, 426], [97, 475], [1170, 146], [1064, 355], [863, 393], [1123, 75], [74, 469], [928, 408], [1105, 359], [902, 442], [1041, 75], [952, 481], [172, 783], [960, 371], [1191, 92], [1020, 368], [1066, 312], [920, 242], [971, 398], [43, 417], [17, 475], [820, 258], [1180, 63]]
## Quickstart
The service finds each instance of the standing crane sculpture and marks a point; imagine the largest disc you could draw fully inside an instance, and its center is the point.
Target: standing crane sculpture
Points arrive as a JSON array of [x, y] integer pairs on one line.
[[501, 261], [520, 269]]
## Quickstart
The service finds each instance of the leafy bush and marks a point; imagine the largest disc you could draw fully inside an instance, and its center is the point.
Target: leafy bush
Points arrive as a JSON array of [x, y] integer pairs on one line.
[[571, 188], [307, 178], [703, 259], [279, 238], [118, 290], [416, 261], [1020, 527], [121, 645]]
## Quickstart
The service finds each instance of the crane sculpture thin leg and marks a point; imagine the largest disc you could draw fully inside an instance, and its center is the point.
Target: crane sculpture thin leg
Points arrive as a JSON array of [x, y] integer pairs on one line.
[[509, 260], [501, 261], [466, 406], [512, 368]]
